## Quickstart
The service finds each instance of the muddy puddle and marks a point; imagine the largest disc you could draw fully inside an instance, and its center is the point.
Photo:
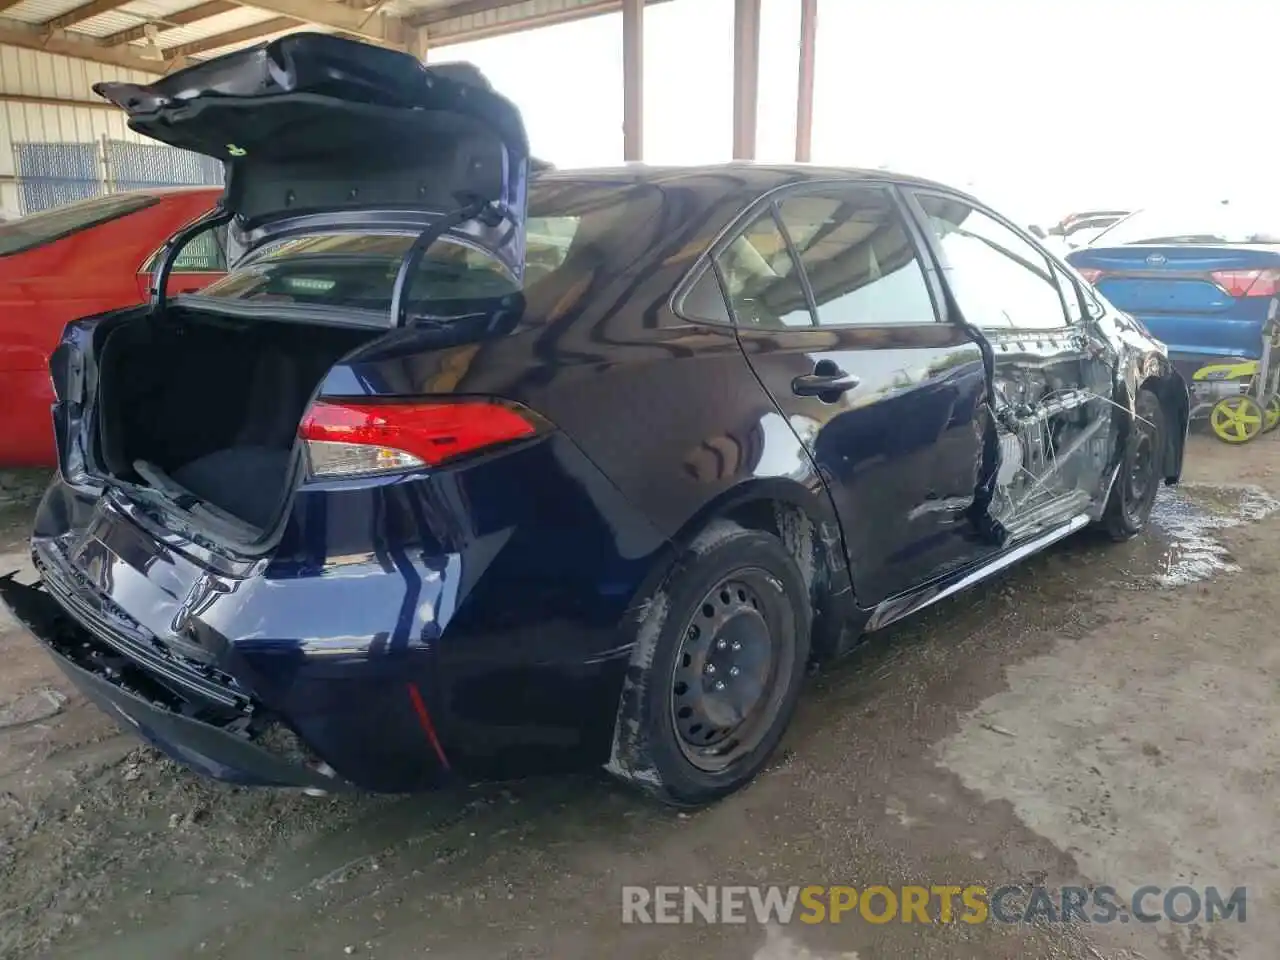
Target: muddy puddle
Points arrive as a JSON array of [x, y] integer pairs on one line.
[[1191, 518]]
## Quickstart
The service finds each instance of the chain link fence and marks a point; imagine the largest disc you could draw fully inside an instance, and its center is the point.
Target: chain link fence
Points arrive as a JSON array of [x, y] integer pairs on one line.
[[51, 174]]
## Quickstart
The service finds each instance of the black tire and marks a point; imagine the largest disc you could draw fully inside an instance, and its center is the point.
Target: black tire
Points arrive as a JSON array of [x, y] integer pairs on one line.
[[1138, 480], [745, 589]]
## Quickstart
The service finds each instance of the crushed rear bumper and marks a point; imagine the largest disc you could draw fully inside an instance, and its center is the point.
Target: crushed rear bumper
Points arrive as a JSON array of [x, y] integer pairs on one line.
[[215, 742]]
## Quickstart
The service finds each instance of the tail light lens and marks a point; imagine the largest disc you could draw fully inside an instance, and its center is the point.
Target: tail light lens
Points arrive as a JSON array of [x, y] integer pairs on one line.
[[1090, 274], [1248, 283], [360, 439]]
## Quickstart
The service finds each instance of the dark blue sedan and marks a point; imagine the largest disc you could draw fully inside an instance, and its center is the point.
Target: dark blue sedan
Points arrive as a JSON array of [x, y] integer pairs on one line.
[[455, 474]]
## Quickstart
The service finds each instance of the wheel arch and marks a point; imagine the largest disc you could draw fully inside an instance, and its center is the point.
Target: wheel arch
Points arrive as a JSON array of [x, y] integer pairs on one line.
[[1171, 390], [805, 522]]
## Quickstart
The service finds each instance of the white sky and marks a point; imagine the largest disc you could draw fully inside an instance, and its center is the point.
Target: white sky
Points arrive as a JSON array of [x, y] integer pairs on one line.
[[1038, 106]]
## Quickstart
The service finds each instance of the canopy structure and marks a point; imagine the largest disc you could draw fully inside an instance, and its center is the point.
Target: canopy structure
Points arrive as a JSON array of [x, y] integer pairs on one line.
[[158, 36]]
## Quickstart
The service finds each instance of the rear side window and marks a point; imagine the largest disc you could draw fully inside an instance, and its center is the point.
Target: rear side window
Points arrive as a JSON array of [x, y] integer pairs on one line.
[[204, 253], [27, 233]]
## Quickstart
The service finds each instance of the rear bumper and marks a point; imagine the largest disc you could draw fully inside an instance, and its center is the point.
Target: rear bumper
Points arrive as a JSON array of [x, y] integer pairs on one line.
[[210, 742]]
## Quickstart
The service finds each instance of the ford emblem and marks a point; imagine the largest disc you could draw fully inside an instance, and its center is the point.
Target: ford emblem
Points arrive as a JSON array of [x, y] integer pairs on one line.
[[1157, 260]]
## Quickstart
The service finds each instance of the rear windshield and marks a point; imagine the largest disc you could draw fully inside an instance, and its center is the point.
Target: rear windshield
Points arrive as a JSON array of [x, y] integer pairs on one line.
[[1217, 223], [26, 233], [358, 270]]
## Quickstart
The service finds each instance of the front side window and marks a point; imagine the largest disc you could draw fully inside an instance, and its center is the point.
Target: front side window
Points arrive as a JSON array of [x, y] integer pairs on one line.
[[858, 257], [1000, 280], [27, 233]]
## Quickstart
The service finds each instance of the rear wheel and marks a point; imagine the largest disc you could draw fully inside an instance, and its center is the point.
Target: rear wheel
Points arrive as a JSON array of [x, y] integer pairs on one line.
[[717, 668], [1138, 481]]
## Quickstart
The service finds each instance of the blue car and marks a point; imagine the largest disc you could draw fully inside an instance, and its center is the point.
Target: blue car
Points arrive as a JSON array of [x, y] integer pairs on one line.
[[1202, 280], [459, 472]]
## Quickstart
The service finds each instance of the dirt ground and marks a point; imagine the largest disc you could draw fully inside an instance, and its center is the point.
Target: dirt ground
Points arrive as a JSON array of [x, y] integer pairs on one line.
[[1101, 714]]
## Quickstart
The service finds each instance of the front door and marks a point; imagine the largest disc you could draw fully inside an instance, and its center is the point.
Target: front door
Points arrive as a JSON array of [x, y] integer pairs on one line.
[[838, 315], [1053, 377]]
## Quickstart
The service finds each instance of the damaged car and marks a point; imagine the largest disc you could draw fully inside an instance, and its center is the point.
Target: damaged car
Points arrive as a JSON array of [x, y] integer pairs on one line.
[[462, 473]]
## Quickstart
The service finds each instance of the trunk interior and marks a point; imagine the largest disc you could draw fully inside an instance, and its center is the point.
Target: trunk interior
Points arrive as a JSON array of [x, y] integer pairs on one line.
[[212, 405]]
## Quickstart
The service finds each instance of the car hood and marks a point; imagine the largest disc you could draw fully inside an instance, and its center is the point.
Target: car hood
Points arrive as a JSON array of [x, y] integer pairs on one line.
[[312, 124]]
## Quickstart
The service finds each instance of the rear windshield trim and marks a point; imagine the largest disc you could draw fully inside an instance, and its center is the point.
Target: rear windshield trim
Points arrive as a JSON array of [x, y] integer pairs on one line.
[[116, 212]]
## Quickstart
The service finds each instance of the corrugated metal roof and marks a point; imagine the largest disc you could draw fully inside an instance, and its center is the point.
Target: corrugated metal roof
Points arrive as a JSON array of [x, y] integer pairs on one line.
[[38, 11], [136, 13], [106, 24], [210, 27], [131, 15], [262, 39]]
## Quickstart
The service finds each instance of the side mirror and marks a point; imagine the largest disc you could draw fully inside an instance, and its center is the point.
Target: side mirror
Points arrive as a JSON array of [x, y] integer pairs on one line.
[[1037, 231]]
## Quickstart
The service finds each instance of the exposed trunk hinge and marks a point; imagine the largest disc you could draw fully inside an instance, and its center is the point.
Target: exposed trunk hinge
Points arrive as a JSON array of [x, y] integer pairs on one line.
[[474, 208], [160, 277]]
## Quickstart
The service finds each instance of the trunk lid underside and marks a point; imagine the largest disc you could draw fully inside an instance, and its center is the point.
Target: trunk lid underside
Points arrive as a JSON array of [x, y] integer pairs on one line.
[[312, 124]]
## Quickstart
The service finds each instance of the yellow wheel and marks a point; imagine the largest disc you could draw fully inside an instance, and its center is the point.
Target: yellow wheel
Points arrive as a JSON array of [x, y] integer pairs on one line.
[[1236, 419], [1271, 413]]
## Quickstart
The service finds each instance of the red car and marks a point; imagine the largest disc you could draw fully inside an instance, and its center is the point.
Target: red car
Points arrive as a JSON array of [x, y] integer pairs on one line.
[[74, 261]]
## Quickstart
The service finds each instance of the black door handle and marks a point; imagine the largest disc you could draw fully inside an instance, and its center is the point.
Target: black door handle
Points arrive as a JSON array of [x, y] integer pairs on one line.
[[823, 384]]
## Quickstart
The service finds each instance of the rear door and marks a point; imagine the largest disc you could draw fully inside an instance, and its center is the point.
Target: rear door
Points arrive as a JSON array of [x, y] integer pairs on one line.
[[837, 313]]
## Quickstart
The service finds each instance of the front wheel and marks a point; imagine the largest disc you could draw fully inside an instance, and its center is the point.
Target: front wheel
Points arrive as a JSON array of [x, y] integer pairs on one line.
[[1138, 481], [717, 667]]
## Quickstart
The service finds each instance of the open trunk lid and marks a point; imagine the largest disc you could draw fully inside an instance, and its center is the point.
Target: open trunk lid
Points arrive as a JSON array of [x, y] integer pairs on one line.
[[311, 125], [320, 136]]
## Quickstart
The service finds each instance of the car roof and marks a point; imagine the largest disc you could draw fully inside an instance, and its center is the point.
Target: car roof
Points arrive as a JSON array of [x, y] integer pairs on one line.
[[764, 176]]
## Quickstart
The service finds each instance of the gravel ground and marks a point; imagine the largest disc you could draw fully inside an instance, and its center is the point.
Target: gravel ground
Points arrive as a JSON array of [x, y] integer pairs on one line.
[[1101, 715]]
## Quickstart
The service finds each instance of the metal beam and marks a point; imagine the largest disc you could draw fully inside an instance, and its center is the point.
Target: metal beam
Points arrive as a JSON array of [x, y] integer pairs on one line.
[[252, 32], [386, 30], [439, 16], [466, 8], [633, 80], [180, 19], [33, 37], [804, 88], [746, 77], [86, 11]]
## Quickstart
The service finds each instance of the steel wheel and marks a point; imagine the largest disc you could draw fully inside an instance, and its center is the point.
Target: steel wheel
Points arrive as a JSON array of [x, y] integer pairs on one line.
[[726, 686], [1236, 419], [1142, 481], [716, 669]]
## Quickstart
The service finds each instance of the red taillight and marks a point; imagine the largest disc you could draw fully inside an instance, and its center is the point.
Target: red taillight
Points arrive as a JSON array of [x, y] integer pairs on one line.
[[353, 439], [1091, 274], [1248, 283]]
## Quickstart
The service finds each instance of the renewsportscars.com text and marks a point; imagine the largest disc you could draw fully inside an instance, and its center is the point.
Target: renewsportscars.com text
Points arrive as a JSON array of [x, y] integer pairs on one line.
[[973, 904]]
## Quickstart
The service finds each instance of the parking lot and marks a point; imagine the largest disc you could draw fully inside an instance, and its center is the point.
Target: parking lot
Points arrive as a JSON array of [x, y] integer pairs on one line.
[[1100, 715]]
